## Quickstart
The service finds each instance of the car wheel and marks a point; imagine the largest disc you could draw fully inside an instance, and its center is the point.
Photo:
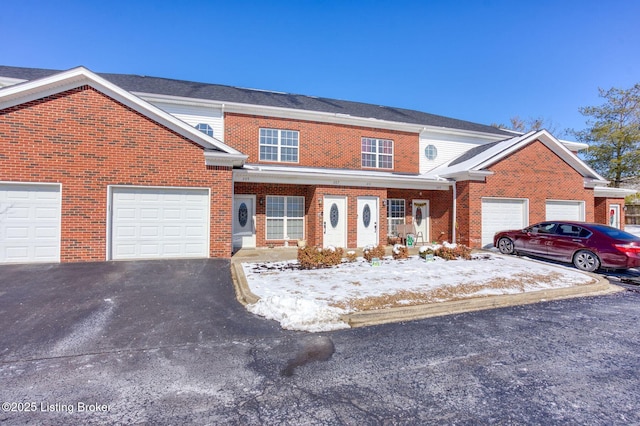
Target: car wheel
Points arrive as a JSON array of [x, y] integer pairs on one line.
[[586, 261], [505, 245]]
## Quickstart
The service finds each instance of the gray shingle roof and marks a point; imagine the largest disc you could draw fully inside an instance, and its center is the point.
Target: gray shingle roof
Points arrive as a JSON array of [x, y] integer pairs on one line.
[[217, 92]]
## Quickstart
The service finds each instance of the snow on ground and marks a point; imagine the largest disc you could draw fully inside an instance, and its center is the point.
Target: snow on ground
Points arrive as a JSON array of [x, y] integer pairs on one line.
[[314, 300], [633, 229]]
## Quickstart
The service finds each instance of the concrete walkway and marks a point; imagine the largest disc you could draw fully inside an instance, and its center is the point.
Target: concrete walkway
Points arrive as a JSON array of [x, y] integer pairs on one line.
[[602, 286]]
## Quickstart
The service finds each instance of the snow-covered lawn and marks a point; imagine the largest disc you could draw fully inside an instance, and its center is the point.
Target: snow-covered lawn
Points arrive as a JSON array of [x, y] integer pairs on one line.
[[314, 300]]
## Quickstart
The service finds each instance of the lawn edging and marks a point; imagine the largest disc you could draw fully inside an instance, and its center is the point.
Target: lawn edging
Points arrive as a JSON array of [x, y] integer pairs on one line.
[[243, 293], [411, 313]]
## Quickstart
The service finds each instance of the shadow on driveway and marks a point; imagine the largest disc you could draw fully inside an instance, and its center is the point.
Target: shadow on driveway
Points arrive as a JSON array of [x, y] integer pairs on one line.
[[67, 309]]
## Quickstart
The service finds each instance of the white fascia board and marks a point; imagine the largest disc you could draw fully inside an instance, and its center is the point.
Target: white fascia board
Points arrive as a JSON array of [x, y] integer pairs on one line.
[[476, 137], [213, 158], [300, 176], [463, 175], [76, 77], [607, 192], [552, 143], [574, 146]]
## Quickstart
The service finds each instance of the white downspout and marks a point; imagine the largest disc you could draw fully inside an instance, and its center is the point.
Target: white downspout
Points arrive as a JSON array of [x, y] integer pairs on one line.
[[454, 213]]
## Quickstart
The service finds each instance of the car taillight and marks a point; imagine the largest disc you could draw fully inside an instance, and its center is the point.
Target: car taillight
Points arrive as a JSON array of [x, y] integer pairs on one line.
[[628, 249]]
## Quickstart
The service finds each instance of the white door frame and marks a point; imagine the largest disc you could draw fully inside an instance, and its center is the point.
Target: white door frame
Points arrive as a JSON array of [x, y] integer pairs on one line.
[[426, 218], [375, 219], [326, 217], [615, 209], [247, 241]]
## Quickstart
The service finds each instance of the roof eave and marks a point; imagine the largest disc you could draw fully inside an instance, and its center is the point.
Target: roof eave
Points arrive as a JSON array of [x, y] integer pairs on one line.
[[302, 176]]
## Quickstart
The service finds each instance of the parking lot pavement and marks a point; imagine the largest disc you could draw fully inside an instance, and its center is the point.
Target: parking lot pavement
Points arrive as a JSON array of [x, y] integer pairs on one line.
[[173, 347], [65, 309]]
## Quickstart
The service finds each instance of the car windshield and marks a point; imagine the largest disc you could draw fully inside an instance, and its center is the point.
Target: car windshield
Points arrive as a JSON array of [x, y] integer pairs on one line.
[[615, 233]]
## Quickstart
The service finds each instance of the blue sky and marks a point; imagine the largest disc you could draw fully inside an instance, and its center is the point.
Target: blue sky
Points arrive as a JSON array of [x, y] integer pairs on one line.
[[483, 61]]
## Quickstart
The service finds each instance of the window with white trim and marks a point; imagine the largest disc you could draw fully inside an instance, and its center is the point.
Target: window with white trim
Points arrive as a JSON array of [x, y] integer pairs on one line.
[[285, 217], [279, 145], [377, 153], [395, 215], [205, 128]]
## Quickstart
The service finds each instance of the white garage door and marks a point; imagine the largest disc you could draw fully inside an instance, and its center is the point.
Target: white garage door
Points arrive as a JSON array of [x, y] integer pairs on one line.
[[565, 210], [29, 223], [501, 214], [152, 223]]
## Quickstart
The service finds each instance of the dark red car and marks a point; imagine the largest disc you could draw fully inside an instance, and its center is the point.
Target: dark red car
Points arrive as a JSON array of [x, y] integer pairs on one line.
[[588, 246]]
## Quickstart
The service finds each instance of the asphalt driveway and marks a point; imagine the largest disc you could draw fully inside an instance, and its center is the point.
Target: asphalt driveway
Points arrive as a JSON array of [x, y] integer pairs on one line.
[[66, 309], [165, 342]]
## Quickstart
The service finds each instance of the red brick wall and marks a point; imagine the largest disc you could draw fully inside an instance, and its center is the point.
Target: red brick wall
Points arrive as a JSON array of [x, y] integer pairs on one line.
[[533, 172], [321, 144], [440, 204], [439, 209], [602, 207], [86, 141]]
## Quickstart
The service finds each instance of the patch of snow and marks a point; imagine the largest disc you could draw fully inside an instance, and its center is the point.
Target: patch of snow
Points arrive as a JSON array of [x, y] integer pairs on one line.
[[298, 313], [633, 229], [303, 299]]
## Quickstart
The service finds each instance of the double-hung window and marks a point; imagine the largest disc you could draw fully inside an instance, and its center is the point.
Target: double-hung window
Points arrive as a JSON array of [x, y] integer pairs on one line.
[[285, 218], [377, 153], [395, 215], [279, 145]]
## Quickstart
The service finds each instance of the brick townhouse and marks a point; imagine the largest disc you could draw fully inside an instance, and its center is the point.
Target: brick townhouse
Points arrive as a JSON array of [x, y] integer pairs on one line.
[[112, 166]]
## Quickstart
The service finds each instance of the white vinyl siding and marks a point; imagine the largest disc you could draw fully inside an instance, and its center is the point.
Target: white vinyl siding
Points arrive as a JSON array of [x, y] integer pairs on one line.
[[153, 223], [448, 147], [502, 214], [285, 218], [195, 115], [30, 217]]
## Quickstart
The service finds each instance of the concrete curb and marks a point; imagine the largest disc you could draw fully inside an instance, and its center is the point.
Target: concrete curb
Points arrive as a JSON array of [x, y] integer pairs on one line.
[[243, 293], [411, 313]]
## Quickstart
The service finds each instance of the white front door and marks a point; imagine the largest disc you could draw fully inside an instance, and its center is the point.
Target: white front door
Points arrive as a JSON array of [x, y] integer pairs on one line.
[[614, 215], [420, 213], [367, 221], [334, 221], [244, 218]]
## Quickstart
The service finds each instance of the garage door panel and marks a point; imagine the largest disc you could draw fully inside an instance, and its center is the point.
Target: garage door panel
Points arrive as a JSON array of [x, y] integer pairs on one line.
[[565, 210], [500, 215], [29, 223], [160, 223]]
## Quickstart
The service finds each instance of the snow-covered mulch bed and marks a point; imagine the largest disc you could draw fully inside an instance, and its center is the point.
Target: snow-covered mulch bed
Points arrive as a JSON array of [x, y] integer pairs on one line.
[[314, 300]]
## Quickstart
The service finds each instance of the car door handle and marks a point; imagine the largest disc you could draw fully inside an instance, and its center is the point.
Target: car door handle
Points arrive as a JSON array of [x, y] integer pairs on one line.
[[576, 240]]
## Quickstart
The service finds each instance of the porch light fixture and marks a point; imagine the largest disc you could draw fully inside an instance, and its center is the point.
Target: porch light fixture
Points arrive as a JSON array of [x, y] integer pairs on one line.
[[261, 201], [319, 201], [384, 203]]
